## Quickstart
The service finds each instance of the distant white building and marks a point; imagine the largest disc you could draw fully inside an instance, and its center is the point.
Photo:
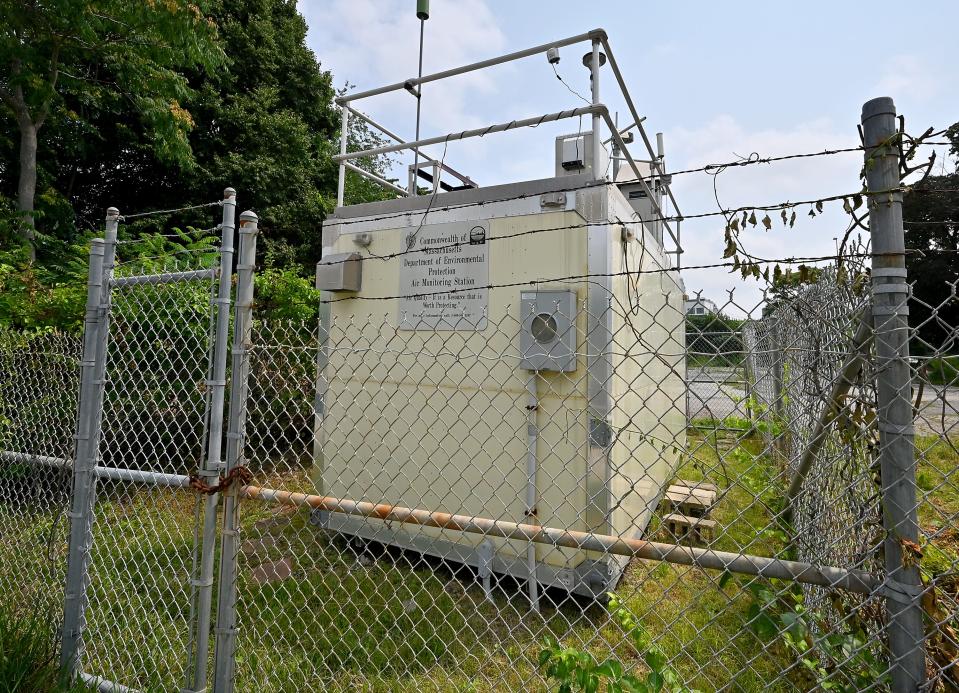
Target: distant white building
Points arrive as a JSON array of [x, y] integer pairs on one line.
[[700, 306]]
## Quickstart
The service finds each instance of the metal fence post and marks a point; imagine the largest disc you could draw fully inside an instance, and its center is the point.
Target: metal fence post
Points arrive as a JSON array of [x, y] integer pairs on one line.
[[777, 349], [213, 464], [96, 332], [242, 341], [896, 445]]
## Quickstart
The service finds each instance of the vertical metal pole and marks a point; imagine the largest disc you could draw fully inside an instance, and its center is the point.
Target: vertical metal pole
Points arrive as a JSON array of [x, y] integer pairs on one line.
[[896, 445], [344, 139], [235, 437], [90, 412], [213, 463], [749, 379], [419, 102], [532, 435], [598, 171], [777, 352]]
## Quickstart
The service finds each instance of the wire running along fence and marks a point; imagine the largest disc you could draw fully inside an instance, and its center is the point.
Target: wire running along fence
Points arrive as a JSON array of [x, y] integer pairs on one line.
[[407, 484]]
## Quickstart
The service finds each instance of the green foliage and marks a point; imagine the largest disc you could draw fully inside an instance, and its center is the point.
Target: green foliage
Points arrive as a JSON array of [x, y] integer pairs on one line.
[[577, 670], [42, 296], [943, 370], [837, 659], [29, 653], [285, 294], [932, 228], [65, 65], [157, 105], [714, 340]]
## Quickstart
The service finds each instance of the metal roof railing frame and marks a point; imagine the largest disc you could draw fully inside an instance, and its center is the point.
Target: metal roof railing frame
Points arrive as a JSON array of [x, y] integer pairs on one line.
[[599, 112]]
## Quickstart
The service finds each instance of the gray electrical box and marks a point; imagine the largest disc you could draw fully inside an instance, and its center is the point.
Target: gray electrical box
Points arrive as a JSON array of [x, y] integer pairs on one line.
[[339, 272], [574, 155], [548, 330]]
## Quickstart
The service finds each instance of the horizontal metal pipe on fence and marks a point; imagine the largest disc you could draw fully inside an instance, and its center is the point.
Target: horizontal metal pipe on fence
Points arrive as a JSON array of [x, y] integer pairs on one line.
[[105, 685], [824, 576], [114, 473]]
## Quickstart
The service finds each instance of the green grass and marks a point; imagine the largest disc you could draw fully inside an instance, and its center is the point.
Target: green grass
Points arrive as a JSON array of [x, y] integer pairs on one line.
[[402, 622], [29, 655], [937, 477], [943, 370]]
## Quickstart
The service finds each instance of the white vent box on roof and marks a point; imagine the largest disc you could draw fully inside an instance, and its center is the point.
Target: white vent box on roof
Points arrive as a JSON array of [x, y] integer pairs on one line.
[[574, 155]]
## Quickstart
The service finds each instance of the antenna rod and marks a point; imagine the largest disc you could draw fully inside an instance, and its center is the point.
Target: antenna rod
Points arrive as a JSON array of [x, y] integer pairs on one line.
[[422, 13]]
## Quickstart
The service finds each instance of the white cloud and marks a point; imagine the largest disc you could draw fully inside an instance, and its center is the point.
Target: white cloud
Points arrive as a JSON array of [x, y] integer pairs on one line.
[[908, 78], [371, 43]]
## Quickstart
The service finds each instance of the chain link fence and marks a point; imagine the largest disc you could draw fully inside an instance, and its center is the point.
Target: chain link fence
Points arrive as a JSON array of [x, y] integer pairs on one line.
[[580, 486]]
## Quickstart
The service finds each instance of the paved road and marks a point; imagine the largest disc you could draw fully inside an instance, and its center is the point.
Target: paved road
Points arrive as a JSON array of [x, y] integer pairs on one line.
[[939, 411], [716, 393]]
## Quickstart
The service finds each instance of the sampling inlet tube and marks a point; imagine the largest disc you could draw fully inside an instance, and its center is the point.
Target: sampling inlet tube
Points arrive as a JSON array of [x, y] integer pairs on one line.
[[532, 434]]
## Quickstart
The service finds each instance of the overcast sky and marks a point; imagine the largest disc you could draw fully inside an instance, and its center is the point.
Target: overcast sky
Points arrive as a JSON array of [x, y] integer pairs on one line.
[[720, 80]]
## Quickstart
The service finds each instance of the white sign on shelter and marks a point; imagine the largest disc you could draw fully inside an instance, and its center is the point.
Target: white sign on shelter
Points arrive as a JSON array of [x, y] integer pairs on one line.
[[443, 282]]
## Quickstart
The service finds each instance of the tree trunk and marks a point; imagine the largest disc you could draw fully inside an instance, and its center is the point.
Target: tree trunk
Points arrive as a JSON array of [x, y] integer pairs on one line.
[[27, 188]]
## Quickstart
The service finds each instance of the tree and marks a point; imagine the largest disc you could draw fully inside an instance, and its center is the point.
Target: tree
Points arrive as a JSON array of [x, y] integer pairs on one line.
[[96, 52], [263, 122], [931, 216]]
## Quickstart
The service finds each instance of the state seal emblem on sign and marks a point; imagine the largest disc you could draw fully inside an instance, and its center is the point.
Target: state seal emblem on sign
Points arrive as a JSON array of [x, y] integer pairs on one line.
[[477, 235]]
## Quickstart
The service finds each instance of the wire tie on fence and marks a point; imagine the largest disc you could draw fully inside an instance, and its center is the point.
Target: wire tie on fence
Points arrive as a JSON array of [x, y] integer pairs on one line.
[[897, 430], [897, 288], [216, 383], [202, 583], [243, 266], [233, 435], [901, 592], [220, 301], [243, 474], [238, 351], [890, 272]]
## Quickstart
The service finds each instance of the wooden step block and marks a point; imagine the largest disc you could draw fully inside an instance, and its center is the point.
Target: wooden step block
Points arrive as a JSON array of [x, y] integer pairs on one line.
[[696, 529], [699, 485], [689, 500]]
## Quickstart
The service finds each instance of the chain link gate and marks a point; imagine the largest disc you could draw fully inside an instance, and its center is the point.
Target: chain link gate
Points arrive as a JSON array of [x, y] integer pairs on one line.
[[151, 412]]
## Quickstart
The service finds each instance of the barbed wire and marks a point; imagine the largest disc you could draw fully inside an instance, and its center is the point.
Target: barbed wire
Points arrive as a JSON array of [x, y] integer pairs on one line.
[[755, 158], [798, 260], [149, 237], [712, 168], [137, 215], [721, 212]]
